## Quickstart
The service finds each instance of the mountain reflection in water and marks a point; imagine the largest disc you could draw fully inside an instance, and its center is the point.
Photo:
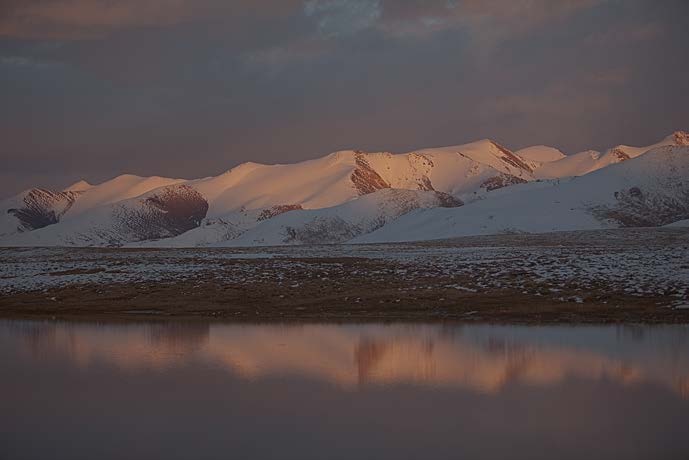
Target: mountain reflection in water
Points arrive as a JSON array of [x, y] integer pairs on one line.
[[210, 390], [480, 358]]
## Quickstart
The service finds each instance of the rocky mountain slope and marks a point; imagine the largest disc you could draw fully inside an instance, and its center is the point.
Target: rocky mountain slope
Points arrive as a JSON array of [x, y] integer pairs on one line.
[[357, 196]]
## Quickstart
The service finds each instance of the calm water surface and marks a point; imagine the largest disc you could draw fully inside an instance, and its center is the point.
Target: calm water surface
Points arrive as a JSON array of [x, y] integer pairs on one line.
[[196, 390]]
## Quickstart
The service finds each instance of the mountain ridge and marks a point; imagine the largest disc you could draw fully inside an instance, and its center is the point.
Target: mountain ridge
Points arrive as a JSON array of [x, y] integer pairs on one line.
[[129, 209]]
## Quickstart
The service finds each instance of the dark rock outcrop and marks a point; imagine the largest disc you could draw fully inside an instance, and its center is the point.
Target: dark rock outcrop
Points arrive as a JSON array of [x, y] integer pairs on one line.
[[635, 207], [445, 200], [425, 184], [42, 208], [681, 138], [619, 155], [510, 158], [500, 181], [365, 179], [322, 230], [277, 210]]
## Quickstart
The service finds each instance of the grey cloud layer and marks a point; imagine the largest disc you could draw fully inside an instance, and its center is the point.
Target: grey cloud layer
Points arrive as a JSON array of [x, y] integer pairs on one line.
[[88, 19]]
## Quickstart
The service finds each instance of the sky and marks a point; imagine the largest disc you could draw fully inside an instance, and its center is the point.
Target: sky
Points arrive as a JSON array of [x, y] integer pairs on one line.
[[90, 89]]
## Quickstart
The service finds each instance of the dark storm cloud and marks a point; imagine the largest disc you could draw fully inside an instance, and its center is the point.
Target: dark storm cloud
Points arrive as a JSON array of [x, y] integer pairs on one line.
[[95, 88]]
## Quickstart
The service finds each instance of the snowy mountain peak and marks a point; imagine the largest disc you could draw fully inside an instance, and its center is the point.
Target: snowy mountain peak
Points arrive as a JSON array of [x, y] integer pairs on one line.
[[585, 162], [245, 167], [540, 154], [78, 186]]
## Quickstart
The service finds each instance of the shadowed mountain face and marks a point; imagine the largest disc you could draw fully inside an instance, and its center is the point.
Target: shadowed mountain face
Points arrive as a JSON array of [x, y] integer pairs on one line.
[[42, 208], [182, 207], [638, 208], [170, 212]]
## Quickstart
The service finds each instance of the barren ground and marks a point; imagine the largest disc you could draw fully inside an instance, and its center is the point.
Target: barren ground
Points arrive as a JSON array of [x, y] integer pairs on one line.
[[632, 275]]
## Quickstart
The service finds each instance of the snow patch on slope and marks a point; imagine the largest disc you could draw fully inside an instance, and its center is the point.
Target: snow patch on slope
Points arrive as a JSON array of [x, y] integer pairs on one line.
[[341, 223]]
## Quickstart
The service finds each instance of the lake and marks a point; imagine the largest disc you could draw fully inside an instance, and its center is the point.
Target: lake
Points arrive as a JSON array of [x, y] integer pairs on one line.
[[181, 390]]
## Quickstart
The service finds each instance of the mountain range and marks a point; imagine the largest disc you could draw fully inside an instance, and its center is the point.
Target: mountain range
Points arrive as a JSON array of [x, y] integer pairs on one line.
[[357, 197]]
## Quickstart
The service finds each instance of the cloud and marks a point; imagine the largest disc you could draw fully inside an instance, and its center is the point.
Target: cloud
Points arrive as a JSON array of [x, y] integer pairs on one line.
[[553, 102], [87, 19], [626, 34], [337, 18], [557, 100], [333, 19], [277, 57], [16, 61], [616, 76], [25, 62], [486, 21]]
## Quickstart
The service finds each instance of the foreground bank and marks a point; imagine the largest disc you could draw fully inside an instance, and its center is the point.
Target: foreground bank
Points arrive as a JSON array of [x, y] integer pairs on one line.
[[632, 275]]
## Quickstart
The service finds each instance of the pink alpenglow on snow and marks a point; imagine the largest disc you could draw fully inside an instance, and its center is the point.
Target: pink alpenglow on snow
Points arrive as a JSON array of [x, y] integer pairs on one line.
[[352, 196]]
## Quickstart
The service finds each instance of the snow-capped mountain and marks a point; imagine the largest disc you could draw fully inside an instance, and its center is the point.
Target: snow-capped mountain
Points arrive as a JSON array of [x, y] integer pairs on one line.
[[590, 160], [647, 191], [357, 196]]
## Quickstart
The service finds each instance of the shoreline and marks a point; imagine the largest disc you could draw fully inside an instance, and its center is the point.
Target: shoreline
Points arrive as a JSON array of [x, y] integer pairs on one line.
[[361, 304]]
